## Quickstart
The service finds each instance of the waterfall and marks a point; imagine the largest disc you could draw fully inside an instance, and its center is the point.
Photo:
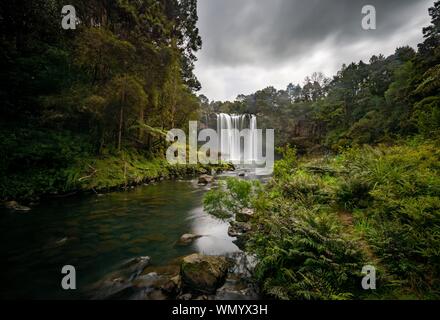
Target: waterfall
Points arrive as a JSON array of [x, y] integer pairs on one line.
[[238, 138]]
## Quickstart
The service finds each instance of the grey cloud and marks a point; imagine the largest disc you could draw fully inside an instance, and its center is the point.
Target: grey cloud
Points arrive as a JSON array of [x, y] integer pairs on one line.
[[270, 36], [245, 31]]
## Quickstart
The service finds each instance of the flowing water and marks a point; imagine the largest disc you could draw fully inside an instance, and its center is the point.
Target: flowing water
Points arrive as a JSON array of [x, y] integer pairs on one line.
[[98, 233], [238, 138]]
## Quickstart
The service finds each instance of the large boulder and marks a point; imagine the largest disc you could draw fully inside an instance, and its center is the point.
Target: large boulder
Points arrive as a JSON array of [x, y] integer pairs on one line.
[[203, 274], [206, 179], [244, 215]]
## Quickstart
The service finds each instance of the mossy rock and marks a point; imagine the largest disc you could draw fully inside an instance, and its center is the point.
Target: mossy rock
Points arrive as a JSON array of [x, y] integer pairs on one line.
[[206, 179], [203, 274]]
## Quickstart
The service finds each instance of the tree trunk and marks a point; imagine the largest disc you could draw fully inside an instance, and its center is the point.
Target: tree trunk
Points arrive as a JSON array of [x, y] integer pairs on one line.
[[121, 117], [141, 121]]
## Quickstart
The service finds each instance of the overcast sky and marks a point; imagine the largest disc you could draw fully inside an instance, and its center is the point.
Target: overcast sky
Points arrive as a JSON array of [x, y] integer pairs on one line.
[[251, 44]]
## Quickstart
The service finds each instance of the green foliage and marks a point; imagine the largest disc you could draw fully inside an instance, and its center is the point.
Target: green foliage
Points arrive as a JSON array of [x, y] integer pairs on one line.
[[122, 78], [401, 205], [288, 162], [318, 222], [302, 249], [427, 110], [127, 168], [231, 196], [304, 255], [353, 193], [36, 161], [216, 203]]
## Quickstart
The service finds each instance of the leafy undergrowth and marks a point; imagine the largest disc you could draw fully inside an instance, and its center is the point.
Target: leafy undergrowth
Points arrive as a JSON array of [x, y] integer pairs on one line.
[[231, 197], [401, 219], [318, 224], [130, 168], [36, 163]]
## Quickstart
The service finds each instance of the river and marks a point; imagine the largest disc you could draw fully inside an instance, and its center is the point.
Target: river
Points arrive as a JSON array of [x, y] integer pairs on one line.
[[96, 233]]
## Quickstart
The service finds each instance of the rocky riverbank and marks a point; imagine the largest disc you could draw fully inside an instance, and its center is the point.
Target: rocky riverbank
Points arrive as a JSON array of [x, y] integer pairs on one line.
[[193, 277]]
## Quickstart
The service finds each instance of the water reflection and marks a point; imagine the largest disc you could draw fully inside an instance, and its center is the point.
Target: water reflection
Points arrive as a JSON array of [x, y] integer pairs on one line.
[[96, 233]]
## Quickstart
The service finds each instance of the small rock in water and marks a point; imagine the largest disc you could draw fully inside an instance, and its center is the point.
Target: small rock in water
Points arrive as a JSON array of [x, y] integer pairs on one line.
[[62, 241], [124, 293], [111, 287], [150, 280], [14, 205], [149, 275], [136, 265], [203, 170], [186, 296], [237, 229], [236, 290], [187, 239], [239, 284], [155, 295], [242, 174], [205, 179], [244, 215]]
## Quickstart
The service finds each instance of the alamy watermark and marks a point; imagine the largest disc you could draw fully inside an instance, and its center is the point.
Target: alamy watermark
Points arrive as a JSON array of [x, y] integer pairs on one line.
[[69, 19], [68, 282], [369, 19], [369, 280]]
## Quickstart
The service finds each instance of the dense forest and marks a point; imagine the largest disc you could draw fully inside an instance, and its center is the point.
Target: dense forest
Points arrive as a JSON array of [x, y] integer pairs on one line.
[[76, 102]]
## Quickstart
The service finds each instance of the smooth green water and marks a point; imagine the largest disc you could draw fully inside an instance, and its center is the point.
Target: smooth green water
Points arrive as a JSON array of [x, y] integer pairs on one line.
[[98, 233]]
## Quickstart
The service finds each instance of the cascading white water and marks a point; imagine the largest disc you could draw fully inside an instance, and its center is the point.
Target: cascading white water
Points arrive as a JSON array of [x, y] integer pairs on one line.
[[231, 129]]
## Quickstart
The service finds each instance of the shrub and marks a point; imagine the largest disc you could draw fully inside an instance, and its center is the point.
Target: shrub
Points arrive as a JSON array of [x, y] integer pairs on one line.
[[303, 254], [403, 210], [231, 196], [353, 193]]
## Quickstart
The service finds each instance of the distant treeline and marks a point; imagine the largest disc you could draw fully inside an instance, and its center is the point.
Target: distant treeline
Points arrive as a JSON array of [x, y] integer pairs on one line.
[[364, 103]]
